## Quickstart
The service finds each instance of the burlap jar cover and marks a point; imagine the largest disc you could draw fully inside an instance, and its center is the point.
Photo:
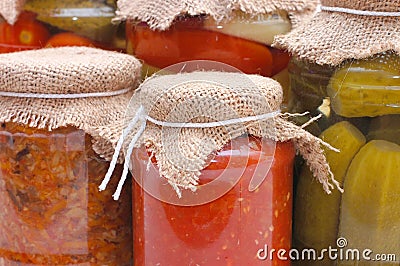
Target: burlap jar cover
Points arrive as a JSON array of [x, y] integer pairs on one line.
[[70, 86], [346, 30], [10, 9], [160, 14], [183, 118]]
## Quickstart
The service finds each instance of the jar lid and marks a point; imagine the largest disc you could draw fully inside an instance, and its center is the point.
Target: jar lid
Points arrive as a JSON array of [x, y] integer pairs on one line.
[[67, 70], [183, 118], [10, 9], [67, 86], [160, 14], [344, 30]]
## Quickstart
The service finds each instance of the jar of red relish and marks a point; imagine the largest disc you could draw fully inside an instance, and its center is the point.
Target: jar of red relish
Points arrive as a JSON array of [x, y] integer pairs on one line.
[[346, 69], [51, 23], [236, 34], [236, 228], [52, 157], [212, 164]]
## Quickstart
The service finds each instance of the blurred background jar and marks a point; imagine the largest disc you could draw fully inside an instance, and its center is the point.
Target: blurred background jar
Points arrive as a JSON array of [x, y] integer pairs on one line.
[[52, 211], [238, 35], [356, 90], [51, 23], [52, 157], [242, 41]]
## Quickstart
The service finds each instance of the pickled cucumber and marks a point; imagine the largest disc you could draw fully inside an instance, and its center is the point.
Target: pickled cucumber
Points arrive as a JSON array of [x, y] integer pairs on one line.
[[89, 18], [308, 83], [148, 70], [368, 87], [385, 127], [316, 215], [370, 210], [283, 78]]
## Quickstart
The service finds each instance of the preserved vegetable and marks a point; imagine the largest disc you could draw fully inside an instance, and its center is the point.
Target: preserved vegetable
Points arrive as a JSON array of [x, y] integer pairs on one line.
[[363, 95], [316, 215], [372, 180], [206, 194], [52, 212], [346, 70], [308, 84], [241, 42], [229, 230], [89, 20], [27, 33]]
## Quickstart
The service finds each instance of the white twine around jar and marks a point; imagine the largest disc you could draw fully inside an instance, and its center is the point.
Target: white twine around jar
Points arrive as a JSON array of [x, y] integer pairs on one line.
[[143, 117], [359, 12]]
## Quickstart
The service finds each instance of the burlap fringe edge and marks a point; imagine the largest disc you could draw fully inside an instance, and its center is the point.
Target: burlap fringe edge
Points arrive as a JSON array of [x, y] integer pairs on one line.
[[309, 147]]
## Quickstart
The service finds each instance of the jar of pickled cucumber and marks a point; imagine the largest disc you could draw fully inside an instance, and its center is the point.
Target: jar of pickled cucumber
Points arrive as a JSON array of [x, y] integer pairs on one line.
[[52, 23], [55, 103], [212, 179], [347, 69]]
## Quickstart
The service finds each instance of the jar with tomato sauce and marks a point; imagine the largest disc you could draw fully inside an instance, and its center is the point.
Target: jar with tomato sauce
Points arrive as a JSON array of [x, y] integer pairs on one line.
[[355, 89], [212, 165], [239, 227], [52, 23], [52, 157]]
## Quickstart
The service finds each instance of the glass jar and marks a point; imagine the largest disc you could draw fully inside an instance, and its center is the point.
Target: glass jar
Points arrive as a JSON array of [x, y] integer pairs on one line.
[[52, 23], [224, 222], [52, 212], [360, 103], [308, 84], [243, 42]]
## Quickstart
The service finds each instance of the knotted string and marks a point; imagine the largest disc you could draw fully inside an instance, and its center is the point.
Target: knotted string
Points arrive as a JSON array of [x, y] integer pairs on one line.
[[139, 115], [143, 118]]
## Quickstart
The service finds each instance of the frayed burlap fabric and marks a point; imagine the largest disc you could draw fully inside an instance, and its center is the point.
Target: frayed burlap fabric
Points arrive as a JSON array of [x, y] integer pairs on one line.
[[10, 9], [332, 37], [205, 97], [62, 72], [159, 14]]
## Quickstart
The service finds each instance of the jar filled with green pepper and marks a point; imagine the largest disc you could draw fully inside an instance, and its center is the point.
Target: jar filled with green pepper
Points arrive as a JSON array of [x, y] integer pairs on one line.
[[346, 68]]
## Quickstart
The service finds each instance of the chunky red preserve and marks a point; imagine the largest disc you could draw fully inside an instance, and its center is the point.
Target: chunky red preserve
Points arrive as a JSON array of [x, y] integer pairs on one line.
[[51, 210], [188, 39], [228, 230]]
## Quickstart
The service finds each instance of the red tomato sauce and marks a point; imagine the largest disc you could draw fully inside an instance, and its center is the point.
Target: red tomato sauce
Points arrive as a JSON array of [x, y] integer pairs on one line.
[[228, 230]]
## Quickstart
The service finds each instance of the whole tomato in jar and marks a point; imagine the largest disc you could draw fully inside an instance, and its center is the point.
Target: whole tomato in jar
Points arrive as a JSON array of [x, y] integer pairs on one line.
[[27, 33]]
